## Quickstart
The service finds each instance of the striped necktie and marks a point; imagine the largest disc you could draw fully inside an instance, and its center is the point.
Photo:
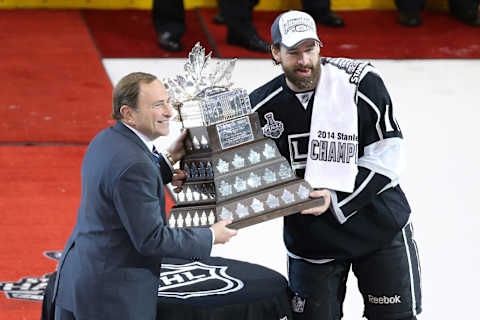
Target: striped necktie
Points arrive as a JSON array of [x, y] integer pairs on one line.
[[156, 153]]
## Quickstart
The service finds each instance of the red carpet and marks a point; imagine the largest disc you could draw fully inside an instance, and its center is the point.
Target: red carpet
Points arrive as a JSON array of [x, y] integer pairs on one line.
[[55, 90], [368, 34], [376, 35], [38, 206], [373, 34], [130, 34], [54, 87]]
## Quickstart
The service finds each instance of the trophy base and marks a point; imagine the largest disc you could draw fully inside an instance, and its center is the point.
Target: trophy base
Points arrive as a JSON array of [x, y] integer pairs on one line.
[[207, 214], [277, 213]]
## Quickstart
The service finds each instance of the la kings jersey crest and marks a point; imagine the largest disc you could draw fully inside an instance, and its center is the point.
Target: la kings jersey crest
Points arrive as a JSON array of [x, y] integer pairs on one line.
[[298, 149]]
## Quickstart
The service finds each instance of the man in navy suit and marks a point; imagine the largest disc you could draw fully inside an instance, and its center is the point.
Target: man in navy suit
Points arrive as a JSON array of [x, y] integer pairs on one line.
[[111, 262]]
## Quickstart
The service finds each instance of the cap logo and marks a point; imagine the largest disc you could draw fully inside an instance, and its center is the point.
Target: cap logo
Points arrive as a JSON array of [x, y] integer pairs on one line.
[[293, 27], [301, 24]]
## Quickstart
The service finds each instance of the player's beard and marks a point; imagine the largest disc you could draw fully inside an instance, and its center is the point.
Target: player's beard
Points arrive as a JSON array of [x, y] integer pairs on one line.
[[303, 83]]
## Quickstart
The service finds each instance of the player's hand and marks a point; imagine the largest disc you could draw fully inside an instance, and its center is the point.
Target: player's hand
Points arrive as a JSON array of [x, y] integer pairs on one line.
[[222, 233], [177, 148], [178, 179], [321, 209]]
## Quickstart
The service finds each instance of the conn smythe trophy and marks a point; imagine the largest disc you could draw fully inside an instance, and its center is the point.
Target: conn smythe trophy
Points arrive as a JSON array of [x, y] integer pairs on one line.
[[233, 171]]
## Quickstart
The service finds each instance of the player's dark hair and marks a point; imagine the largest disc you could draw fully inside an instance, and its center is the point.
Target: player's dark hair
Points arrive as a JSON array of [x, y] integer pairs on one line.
[[275, 46]]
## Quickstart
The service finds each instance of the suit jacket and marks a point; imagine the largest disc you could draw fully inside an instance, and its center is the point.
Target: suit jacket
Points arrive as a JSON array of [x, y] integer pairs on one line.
[[111, 262]]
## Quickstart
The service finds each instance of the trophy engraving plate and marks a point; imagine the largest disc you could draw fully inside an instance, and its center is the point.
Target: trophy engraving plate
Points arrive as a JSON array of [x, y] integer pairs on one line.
[[225, 105], [207, 139], [234, 133]]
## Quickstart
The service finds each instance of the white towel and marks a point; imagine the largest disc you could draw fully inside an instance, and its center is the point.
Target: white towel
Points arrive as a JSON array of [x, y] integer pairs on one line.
[[333, 144]]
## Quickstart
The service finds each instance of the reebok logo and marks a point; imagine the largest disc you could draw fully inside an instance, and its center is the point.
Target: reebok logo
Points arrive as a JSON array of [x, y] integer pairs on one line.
[[384, 299]]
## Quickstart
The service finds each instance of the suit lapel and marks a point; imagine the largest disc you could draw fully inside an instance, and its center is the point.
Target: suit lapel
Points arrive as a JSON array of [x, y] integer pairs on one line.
[[123, 130]]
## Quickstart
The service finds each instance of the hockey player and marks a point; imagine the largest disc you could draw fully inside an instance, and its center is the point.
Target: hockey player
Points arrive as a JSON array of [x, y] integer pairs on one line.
[[333, 119]]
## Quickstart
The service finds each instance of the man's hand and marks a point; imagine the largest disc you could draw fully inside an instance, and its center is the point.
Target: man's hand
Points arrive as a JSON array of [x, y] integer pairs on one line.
[[222, 233], [319, 210], [178, 179], [177, 148]]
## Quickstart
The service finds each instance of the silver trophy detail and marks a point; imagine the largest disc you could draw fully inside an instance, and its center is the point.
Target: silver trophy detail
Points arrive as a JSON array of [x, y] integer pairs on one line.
[[233, 171]]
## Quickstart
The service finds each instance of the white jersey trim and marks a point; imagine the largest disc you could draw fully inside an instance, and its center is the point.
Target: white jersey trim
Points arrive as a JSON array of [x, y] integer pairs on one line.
[[377, 111], [417, 255], [336, 206], [356, 192], [410, 269], [388, 186], [385, 157], [379, 157], [336, 209], [316, 261], [267, 98]]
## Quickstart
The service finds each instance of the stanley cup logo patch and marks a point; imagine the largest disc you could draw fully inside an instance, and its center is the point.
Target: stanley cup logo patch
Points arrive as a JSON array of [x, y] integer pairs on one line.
[[273, 129]]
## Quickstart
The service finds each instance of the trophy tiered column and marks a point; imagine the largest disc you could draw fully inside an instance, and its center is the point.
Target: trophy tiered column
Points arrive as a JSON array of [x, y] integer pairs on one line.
[[233, 171]]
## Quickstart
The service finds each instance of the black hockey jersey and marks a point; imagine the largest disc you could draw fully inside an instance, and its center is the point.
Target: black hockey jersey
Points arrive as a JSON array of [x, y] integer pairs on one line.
[[368, 218]]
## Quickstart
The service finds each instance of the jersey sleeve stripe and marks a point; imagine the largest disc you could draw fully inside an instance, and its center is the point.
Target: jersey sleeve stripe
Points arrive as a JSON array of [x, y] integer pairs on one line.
[[377, 111], [356, 192], [267, 98], [385, 157], [336, 206], [392, 184], [336, 210], [378, 169]]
